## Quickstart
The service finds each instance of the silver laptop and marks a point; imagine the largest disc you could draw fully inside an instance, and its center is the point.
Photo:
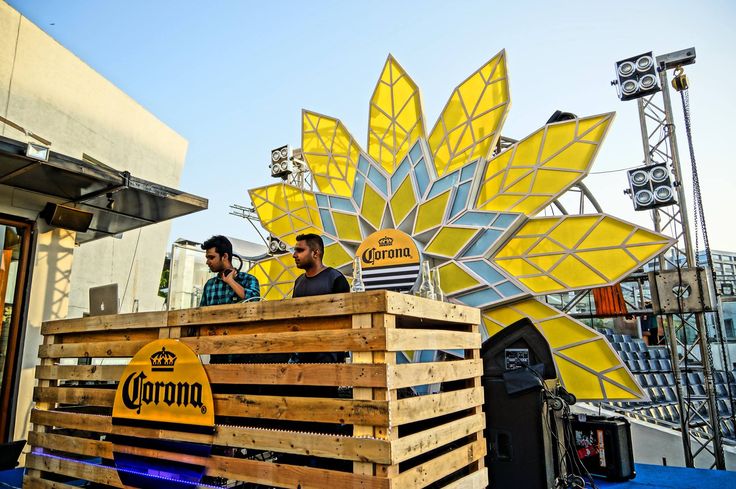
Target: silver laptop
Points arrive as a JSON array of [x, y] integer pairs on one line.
[[103, 300]]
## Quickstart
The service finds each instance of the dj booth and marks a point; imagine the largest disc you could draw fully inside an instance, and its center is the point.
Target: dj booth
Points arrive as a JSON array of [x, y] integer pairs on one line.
[[360, 423]]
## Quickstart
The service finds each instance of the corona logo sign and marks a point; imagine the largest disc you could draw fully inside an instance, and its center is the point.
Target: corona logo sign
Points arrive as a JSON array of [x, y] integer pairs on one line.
[[163, 396], [390, 260]]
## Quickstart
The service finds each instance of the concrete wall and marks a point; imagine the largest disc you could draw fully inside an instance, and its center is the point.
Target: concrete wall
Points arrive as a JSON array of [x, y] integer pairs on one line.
[[49, 91]]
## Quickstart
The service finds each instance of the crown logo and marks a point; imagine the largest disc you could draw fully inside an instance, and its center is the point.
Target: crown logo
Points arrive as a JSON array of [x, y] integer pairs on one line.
[[385, 241], [163, 361]]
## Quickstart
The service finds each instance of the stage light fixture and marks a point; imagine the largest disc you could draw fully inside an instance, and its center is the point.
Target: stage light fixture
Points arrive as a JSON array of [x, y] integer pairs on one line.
[[37, 152], [644, 64], [636, 77], [663, 194], [281, 166], [626, 69], [651, 187], [276, 246]]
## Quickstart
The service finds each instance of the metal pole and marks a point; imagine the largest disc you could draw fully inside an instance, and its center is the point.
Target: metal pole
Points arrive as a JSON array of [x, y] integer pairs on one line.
[[671, 336], [705, 355]]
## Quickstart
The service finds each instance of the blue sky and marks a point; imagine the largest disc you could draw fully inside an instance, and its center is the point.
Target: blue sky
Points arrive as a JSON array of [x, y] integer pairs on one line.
[[233, 76]]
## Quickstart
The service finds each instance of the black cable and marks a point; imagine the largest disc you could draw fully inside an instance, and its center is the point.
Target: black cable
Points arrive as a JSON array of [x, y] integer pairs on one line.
[[572, 460]]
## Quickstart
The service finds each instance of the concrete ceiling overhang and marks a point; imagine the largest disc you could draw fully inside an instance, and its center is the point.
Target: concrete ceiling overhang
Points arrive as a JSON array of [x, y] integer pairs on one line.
[[91, 187]]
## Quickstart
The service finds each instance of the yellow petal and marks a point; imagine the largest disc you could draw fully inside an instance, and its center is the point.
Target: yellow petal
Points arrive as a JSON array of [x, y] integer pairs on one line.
[[577, 252], [395, 116], [469, 125]]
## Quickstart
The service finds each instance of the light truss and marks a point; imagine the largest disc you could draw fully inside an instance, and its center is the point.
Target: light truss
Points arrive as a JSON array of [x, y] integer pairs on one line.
[[686, 334]]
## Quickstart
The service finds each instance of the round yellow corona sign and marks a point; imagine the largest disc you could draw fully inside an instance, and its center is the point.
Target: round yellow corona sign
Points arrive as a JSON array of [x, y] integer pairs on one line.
[[164, 388], [390, 260]]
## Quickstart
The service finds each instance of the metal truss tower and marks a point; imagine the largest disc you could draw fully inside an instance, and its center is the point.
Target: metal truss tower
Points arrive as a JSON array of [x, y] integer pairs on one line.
[[686, 334]]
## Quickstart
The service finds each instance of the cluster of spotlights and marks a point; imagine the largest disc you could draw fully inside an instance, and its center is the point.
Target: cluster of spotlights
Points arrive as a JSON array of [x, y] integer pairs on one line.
[[276, 246], [651, 187], [281, 165], [636, 77]]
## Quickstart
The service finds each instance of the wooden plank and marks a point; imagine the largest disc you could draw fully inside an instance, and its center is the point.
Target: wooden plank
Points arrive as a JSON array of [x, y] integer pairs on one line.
[[113, 349], [429, 339], [120, 335], [332, 446], [277, 326], [377, 301], [434, 405], [74, 421], [75, 395], [386, 432], [246, 374], [80, 470], [307, 341], [316, 409], [138, 320], [441, 466], [303, 307], [368, 340], [71, 444], [104, 449], [425, 441], [362, 322], [476, 480], [80, 372], [290, 476], [430, 310], [411, 374], [48, 340], [30, 482], [339, 374]]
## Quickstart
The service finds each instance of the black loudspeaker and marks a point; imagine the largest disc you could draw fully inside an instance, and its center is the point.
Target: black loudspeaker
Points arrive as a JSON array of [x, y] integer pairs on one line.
[[603, 444], [523, 433], [64, 217]]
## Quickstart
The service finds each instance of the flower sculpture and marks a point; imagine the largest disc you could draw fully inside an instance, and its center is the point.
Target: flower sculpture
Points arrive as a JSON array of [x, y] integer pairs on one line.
[[471, 211]]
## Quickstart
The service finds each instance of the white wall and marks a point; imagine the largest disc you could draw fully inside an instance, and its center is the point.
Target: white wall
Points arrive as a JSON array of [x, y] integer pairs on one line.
[[48, 90]]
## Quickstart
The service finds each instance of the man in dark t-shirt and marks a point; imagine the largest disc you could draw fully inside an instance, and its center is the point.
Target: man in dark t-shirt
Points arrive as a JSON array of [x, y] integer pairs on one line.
[[317, 279]]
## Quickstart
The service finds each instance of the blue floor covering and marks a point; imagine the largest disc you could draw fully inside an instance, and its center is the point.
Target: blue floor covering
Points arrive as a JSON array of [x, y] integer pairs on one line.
[[11, 478], [648, 476]]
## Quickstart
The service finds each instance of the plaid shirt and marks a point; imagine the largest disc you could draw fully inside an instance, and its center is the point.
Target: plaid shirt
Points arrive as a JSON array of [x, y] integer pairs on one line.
[[218, 292]]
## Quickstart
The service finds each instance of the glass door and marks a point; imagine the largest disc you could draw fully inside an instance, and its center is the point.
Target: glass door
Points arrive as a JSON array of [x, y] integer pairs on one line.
[[14, 251]]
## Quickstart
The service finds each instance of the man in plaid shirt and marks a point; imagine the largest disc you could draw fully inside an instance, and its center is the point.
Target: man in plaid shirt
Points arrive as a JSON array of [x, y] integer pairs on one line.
[[229, 286]]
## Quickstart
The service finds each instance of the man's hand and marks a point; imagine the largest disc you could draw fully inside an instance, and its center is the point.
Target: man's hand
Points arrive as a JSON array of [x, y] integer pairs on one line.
[[228, 276]]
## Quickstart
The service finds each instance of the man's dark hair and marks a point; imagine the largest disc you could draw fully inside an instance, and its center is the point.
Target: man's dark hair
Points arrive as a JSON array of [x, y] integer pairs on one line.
[[314, 241], [221, 245]]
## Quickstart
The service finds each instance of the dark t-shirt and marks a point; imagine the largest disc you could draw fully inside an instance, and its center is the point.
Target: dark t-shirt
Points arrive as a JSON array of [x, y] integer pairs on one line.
[[328, 281]]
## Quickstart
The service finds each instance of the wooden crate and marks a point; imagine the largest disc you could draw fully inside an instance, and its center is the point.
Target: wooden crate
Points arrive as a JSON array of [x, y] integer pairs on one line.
[[398, 440]]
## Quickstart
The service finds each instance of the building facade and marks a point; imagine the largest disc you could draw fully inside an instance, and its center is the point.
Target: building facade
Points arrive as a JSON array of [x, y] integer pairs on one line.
[[109, 158]]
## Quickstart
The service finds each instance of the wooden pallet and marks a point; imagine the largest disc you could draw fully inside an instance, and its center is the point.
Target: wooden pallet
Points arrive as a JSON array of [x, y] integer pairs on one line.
[[398, 440]]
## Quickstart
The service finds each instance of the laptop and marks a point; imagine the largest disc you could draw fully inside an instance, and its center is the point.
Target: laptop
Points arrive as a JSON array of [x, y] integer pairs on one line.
[[9, 453], [103, 300]]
